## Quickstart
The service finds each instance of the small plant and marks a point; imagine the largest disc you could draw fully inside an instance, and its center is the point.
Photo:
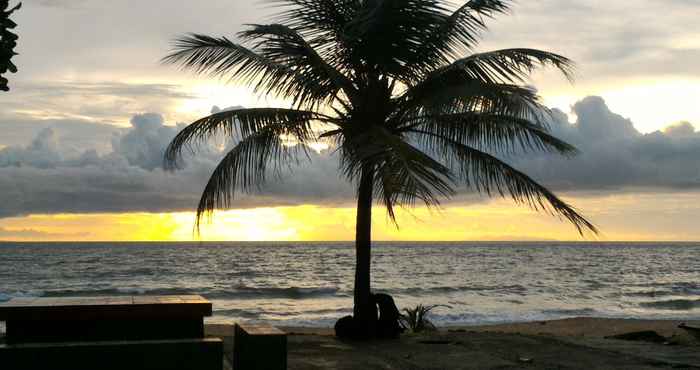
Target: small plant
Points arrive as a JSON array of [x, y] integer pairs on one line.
[[416, 319]]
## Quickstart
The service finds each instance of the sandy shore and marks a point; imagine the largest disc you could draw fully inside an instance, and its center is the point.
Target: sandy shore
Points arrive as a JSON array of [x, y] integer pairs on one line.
[[578, 343], [589, 327]]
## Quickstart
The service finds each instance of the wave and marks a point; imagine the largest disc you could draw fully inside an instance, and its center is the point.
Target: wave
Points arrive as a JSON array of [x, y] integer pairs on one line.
[[570, 312], [678, 287], [289, 292], [115, 292], [673, 304], [648, 294], [682, 289], [237, 313], [501, 289], [239, 292]]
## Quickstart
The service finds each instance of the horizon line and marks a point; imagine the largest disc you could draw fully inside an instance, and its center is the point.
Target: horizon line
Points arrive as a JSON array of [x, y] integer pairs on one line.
[[348, 241]]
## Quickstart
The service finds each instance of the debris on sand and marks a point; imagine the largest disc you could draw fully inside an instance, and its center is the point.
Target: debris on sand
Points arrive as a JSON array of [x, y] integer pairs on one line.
[[641, 336]]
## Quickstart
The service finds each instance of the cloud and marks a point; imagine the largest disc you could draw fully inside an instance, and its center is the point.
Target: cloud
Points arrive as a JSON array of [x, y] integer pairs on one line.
[[143, 145], [76, 135], [614, 155], [45, 177], [22, 234], [590, 32], [67, 4], [104, 101]]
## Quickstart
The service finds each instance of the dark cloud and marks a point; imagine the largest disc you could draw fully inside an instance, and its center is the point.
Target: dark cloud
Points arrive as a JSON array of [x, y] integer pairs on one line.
[[614, 155], [42, 177]]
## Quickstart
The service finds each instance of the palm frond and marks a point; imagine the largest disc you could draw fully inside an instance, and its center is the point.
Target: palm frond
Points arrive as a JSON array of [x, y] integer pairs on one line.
[[511, 65], [491, 176], [385, 35], [455, 34], [489, 131], [403, 173], [285, 46], [320, 19], [221, 57], [457, 93], [245, 168], [241, 123], [324, 23]]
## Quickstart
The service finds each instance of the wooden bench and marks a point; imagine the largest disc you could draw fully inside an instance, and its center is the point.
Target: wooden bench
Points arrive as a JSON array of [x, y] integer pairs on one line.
[[260, 347], [76, 332], [41, 320]]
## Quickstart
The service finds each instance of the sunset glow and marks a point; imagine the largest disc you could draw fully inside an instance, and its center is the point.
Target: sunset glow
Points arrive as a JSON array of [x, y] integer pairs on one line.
[[632, 219]]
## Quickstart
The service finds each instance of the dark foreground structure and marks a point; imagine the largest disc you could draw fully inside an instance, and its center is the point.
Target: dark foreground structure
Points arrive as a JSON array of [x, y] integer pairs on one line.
[[165, 332]]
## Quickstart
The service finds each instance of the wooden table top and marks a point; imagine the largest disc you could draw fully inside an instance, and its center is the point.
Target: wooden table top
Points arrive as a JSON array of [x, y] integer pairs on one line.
[[46, 308]]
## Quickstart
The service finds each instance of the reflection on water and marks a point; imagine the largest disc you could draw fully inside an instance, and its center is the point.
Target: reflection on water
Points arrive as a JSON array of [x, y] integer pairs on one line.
[[311, 283]]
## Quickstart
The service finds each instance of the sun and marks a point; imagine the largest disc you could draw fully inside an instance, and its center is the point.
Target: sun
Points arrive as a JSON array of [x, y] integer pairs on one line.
[[243, 225]]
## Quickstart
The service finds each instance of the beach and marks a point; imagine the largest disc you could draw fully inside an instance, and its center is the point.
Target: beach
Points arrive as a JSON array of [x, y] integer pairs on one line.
[[576, 343]]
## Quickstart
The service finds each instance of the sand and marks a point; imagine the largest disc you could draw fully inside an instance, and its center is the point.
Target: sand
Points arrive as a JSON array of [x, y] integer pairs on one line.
[[578, 343]]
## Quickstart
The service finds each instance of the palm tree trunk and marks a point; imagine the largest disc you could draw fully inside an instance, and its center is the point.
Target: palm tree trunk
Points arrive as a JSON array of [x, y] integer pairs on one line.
[[365, 311]]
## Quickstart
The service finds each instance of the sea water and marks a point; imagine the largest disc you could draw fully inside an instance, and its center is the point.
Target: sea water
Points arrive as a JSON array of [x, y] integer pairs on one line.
[[311, 284]]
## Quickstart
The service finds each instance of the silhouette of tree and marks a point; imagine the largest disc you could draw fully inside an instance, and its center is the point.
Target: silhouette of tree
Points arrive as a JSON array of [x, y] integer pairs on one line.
[[8, 42], [412, 111]]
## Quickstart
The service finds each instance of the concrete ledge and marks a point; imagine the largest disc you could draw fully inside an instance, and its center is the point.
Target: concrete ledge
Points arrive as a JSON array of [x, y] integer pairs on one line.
[[183, 354], [259, 347]]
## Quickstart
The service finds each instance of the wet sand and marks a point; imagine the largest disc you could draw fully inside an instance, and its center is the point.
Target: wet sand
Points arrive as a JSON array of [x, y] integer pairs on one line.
[[577, 343]]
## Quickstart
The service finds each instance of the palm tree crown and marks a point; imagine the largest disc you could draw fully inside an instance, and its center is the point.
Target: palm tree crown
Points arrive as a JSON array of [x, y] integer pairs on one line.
[[412, 109]]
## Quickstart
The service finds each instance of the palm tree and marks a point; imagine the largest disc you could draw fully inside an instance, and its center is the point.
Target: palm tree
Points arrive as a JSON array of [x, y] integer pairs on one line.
[[396, 86]]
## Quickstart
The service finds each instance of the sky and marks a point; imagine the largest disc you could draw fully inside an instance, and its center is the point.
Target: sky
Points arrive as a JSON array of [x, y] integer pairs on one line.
[[91, 110]]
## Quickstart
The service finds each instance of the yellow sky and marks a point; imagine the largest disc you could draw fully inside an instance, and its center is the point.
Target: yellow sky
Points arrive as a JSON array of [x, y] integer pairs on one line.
[[651, 104], [621, 217]]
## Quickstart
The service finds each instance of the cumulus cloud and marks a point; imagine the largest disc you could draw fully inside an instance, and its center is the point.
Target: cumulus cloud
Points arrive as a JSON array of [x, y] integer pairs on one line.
[[143, 145], [614, 155], [76, 135], [43, 177]]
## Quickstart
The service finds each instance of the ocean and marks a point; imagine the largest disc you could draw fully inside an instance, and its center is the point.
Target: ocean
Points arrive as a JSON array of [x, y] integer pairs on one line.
[[310, 284]]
